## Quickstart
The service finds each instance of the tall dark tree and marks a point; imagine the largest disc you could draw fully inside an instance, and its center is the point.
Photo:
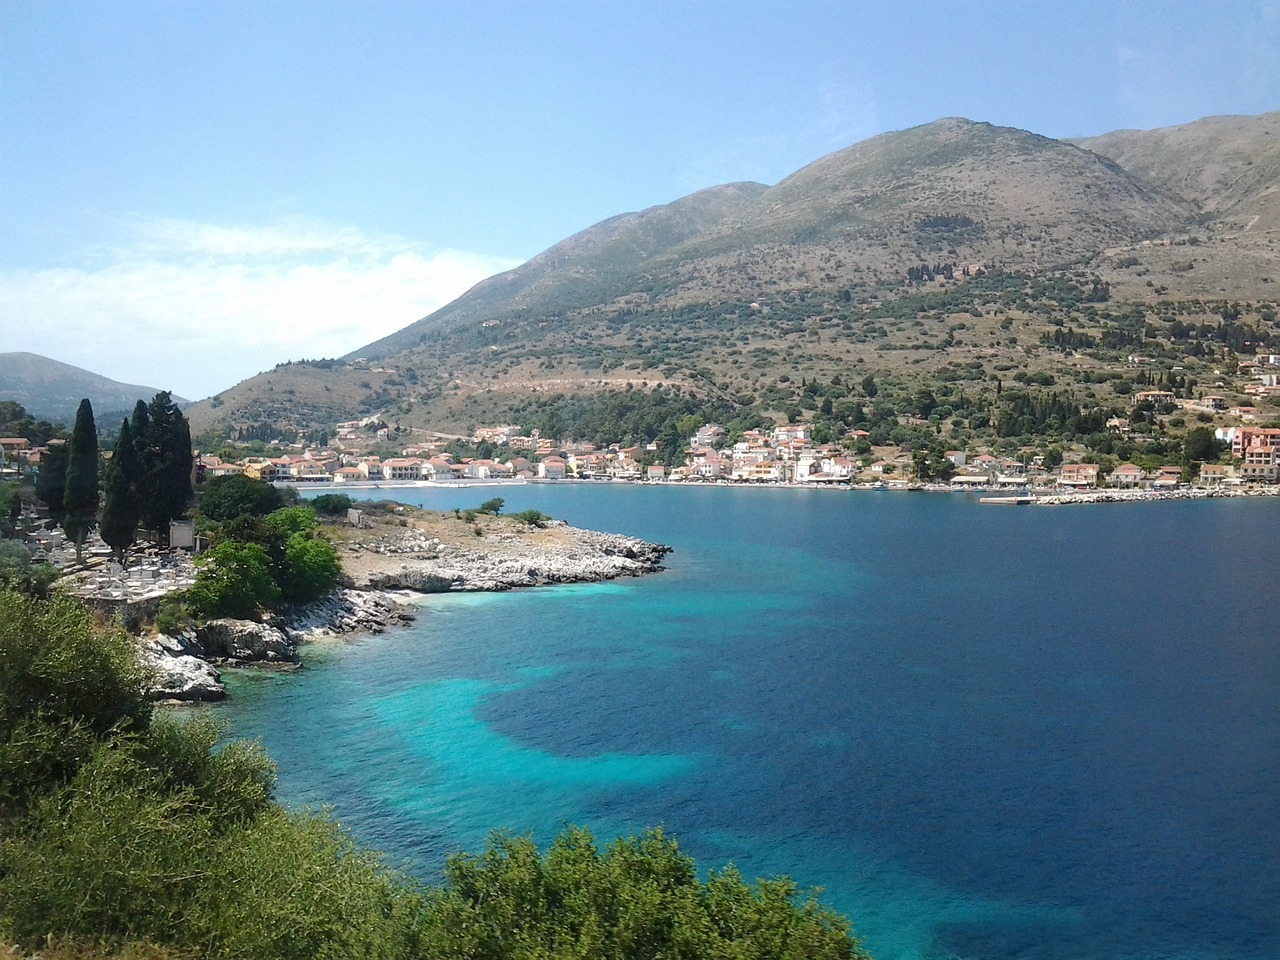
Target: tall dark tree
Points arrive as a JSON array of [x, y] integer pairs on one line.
[[121, 504], [51, 482], [80, 495], [165, 461]]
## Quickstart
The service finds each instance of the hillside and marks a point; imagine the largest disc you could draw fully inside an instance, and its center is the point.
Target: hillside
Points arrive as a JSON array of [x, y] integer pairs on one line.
[[1225, 166], [53, 390], [948, 257], [578, 271]]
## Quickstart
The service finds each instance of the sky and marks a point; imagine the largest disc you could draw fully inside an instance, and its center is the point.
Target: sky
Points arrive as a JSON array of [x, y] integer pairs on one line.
[[192, 191]]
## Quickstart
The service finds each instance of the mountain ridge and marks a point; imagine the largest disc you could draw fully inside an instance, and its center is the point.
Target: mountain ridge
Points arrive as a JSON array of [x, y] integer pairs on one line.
[[739, 286], [51, 389]]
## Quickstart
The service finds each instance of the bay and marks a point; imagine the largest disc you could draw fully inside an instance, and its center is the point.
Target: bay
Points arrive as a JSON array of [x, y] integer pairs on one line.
[[984, 732]]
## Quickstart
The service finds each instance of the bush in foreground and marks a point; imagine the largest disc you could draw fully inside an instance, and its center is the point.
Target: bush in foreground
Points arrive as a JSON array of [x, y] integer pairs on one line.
[[123, 834]]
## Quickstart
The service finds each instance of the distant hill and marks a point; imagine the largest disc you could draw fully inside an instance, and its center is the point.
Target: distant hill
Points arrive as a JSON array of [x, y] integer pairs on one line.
[[953, 252], [53, 390]]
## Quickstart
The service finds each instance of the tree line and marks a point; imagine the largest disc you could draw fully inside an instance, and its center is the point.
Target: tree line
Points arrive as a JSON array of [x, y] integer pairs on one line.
[[145, 484]]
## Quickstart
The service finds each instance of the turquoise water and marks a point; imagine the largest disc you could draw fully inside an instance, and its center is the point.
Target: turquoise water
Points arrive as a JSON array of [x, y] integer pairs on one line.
[[985, 732]]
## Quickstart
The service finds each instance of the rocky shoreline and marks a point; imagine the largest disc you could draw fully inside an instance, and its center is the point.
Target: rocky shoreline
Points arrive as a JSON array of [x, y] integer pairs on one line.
[[185, 665], [502, 560], [1142, 496], [382, 573]]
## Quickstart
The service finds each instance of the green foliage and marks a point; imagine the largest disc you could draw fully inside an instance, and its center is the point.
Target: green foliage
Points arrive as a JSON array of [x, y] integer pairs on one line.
[[80, 495], [122, 502], [332, 504], [162, 439], [230, 497], [62, 686], [640, 897], [10, 507], [311, 568], [492, 507], [534, 518], [17, 572], [300, 562], [117, 829], [174, 615], [234, 580], [1201, 445], [291, 520], [51, 481]]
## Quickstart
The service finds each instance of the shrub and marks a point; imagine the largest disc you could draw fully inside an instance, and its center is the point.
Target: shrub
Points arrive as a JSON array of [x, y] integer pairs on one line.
[[534, 518], [174, 615], [332, 504], [234, 581], [226, 498]]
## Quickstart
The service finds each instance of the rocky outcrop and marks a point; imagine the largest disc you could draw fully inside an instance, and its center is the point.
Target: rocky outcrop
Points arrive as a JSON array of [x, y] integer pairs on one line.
[[183, 665], [244, 641], [178, 675], [345, 611], [505, 562]]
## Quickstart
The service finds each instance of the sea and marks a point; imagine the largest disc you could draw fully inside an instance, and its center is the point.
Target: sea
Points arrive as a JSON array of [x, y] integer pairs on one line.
[[981, 732]]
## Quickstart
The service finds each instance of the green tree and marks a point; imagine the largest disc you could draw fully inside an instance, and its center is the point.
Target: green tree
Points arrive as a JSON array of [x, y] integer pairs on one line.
[[10, 508], [640, 897], [17, 572], [234, 580], [80, 496], [63, 686], [121, 504], [163, 440], [1201, 445], [311, 568], [51, 481], [229, 497], [332, 504]]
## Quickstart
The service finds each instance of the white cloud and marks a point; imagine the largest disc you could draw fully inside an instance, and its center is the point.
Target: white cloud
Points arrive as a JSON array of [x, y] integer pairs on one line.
[[195, 307]]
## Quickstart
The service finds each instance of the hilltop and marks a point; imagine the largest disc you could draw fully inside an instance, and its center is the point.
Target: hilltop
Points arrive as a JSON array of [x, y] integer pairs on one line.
[[948, 258], [50, 389]]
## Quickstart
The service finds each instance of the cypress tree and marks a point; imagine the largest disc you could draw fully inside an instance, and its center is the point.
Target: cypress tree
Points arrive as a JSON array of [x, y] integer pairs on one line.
[[164, 462], [51, 483], [80, 496], [121, 506]]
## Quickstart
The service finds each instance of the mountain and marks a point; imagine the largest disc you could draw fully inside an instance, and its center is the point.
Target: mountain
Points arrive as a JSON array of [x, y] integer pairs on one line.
[[53, 390], [1225, 166], [952, 188], [953, 252], [584, 268]]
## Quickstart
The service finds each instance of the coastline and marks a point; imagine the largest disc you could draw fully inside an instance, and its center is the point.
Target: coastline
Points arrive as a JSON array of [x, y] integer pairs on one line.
[[1048, 496], [401, 556]]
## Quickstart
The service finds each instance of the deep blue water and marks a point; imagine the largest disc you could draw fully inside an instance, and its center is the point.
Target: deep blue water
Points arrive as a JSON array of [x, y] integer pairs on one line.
[[985, 732]]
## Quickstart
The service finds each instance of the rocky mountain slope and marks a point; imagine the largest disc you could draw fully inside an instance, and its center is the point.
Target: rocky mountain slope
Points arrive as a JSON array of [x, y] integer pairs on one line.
[[953, 245], [1224, 166]]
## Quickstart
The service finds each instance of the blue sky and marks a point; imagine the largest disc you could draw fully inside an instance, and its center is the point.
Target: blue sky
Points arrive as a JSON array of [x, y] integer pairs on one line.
[[194, 191]]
